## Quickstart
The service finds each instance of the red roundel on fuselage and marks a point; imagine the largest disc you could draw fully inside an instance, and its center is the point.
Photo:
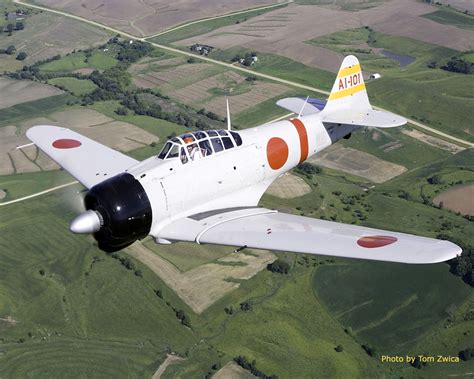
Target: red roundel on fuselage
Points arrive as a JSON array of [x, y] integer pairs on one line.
[[376, 241], [66, 143], [277, 153]]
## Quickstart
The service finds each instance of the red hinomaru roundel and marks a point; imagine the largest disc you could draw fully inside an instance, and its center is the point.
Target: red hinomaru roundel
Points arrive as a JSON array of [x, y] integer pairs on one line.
[[66, 143], [376, 241], [277, 153]]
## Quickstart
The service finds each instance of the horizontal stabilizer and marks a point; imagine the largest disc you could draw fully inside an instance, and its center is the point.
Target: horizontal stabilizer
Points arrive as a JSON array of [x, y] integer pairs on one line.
[[369, 117], [298, 105]]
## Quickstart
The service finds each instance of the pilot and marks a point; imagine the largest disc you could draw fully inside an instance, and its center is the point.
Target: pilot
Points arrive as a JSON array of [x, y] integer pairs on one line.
[[193, 149]]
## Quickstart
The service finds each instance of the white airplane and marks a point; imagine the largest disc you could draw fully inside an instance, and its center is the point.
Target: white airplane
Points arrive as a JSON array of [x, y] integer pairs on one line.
[[205, 186]]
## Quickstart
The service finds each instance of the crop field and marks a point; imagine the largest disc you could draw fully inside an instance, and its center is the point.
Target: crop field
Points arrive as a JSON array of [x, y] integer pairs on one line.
[[458, 199], [22, 91], [358, 163], [432, 141], [449, 16], [203, 285], [116, 134], [284, 31], [232, 371], [76, 86], [144, 19], [288, 186], [46, 35]]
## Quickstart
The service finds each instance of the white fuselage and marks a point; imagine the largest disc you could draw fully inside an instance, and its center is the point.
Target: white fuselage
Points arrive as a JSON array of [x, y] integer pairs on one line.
[[232, 178]]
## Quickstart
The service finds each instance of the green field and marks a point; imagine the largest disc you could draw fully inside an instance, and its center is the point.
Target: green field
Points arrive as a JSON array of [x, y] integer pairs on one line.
[[20, 185], [207, 26], [186, 256], [389, 306], [98, 60], [78, 87], [87, 315], [411, 153], [450, 16], [36, 108]]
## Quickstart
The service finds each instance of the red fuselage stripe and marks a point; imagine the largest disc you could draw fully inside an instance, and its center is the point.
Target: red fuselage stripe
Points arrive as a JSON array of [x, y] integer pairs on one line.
[[301, 129]]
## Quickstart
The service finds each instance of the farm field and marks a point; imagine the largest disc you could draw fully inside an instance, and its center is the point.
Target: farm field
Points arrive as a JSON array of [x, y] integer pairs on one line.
[[288, 186], [16, 92], [116, 134], [449, 16], [458, 199], [77, 86], [205, 284], [143, 19], [284, 31], [357, 163], [46, 35], [77, 61]]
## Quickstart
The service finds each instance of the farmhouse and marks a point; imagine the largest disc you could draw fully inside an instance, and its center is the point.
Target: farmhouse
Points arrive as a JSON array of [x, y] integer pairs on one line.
[[201, 49]]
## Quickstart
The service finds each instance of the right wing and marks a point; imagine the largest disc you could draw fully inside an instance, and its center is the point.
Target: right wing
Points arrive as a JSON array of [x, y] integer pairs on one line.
[[267, 229], [88, 161]]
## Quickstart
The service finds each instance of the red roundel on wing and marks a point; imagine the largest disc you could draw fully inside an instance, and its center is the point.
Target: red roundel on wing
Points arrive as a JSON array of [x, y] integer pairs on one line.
[[277, 153], [376, 241], [66, 143]]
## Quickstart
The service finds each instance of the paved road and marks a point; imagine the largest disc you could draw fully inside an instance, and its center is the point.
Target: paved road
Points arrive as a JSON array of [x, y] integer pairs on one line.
[[38, 193], [242, 69]]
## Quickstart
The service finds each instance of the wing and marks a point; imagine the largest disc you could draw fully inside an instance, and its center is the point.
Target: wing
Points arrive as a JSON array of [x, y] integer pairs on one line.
[[88, 161], [371, 117], [295, 104], [266, 229]]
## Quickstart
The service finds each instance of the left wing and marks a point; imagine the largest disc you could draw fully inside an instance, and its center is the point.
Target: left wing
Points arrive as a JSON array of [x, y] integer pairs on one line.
[[87, 160], [267, 229]]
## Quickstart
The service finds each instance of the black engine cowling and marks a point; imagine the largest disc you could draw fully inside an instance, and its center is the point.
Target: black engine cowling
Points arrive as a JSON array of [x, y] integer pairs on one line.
[[124, 209]]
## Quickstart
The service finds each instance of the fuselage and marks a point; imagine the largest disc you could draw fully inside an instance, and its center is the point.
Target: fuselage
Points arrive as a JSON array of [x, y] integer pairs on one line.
[[233, 177]]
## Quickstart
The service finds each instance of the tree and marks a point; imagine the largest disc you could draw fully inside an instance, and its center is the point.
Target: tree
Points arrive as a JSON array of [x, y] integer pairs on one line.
[[21, 56], [435, 179], [122, 111], [10, 50], [279, 266], [19, 25], [10, 28], [466, 354], [339, 348], [246, 306]]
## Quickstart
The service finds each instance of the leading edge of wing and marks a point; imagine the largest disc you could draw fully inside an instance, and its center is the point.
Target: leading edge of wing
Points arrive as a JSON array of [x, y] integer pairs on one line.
[[88, 161], [265, 229]]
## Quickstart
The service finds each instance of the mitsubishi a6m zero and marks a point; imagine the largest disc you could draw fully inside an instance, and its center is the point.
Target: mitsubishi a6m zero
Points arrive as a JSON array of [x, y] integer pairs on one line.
[[205, 186]]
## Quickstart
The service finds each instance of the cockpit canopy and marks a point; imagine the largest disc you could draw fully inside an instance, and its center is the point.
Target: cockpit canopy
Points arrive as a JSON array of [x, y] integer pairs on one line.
[[198, 145]]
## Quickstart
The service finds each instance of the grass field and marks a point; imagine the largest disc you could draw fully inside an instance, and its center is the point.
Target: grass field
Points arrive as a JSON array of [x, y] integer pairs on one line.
[[450, 16], [20, 185], [87, 315], [207, 26], [78, 87], [380, 304], [98, 60], [31, 109]]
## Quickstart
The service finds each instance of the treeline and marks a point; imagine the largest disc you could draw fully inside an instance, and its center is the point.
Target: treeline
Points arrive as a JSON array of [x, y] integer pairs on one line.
[[10, 50], [456, 64], [463, 265], [252, 367], [180, 314]]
